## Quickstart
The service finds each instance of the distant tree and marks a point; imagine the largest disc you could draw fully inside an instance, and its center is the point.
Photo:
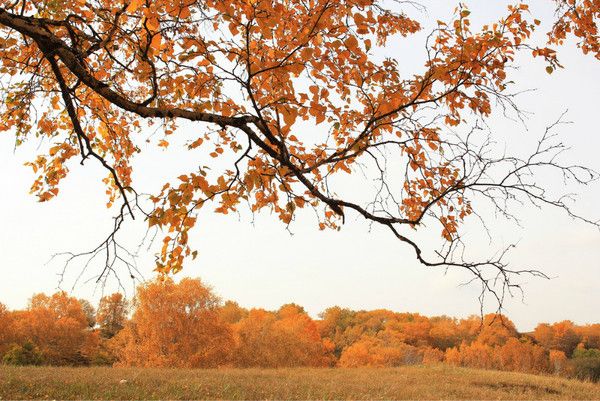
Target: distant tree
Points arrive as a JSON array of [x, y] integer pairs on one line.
[[496, 330], [112, 314], [410, 328], [544, 335], [444, 333], [565, 337], [452, 356], [89, 312], [432, 356], [590, 335], [254, 344], [522, 356], [286, 338], [560, 336], [175, 325], [289, 311], [469, 328], [372, 351], [58, 326], [558, 361], [475, 355], [232, 313], [7, 331], [333, 325]]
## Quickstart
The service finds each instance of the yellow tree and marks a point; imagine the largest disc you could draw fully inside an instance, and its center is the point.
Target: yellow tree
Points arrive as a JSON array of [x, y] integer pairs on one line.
[[544, 335], [253, 340], [444, 332], [522, 356], [88, 76], [175, 325], [335, 325], [496, 330], [565, 337], [231, 312], [7, 335], [284, 339], [590, 335], [558, 361], [379, 352], [57, 325], [561, 336], [411, 328], [475, 355]]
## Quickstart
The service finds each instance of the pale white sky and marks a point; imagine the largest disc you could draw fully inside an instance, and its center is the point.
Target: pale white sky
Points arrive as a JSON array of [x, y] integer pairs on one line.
[[259, 264]]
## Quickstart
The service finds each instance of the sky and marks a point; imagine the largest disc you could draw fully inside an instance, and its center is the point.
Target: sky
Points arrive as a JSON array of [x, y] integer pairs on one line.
[[255, 261]]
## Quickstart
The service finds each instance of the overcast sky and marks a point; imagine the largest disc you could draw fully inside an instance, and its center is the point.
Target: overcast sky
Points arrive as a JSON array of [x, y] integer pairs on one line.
[[257, 263]]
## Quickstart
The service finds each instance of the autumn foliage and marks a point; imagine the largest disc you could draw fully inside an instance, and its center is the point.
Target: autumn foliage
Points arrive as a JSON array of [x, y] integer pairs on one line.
[[87, 79], [175, 325], [184, 324], [55, 325], [286, 338], [112, 314]]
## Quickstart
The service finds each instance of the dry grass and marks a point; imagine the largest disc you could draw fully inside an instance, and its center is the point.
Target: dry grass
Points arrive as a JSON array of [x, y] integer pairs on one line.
[[411, 382]]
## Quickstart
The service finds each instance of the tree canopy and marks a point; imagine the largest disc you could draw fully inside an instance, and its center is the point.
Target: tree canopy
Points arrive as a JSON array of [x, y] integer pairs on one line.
[[288, 95], [185, 325]]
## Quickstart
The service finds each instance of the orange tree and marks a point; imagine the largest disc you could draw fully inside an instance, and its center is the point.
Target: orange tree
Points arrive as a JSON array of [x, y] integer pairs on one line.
[[58, 326], [287, 338], [7, 335], [289, 95], [174, 325], [112, 314]]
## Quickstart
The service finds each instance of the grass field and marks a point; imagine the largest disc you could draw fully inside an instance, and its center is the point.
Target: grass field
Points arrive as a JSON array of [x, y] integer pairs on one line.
[[411, 382]]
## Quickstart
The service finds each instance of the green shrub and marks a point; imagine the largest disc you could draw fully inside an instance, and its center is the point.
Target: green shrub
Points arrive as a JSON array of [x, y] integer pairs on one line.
[[102, 359], [586, 353], [586, 368], [26, 354]]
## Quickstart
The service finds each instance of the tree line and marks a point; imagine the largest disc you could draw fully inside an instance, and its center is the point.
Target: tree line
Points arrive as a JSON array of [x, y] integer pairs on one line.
[[186, 325]]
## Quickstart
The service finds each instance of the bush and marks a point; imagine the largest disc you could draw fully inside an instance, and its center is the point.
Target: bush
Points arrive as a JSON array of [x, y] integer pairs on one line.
[[586, 353], [586, 368], [26, 354]]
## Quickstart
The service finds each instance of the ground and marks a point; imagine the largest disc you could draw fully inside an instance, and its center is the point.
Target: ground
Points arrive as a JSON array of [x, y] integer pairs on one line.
[[411, 382]]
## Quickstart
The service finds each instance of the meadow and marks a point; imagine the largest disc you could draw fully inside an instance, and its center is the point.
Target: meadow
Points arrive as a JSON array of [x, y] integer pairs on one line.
[[409, 382]]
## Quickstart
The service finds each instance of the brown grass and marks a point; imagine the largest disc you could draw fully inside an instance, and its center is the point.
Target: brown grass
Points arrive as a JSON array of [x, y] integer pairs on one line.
[[411, 382]]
